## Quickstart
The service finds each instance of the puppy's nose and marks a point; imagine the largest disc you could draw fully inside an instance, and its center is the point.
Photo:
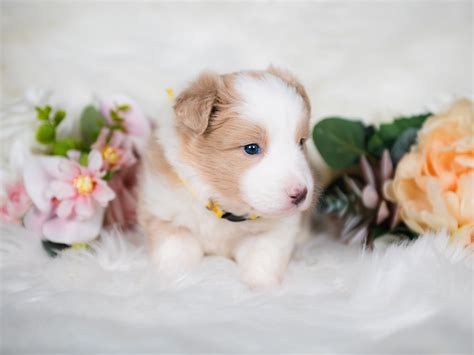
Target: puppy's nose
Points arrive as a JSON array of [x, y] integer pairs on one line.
[[298, 195]]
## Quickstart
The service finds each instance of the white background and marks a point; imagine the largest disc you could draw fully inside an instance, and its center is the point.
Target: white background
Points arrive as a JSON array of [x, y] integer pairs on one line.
[[363, 59]]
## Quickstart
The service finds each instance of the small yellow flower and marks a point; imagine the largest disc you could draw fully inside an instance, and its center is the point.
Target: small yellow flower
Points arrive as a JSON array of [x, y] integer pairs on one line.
[[111, 155], [84, 184], [170, 93]]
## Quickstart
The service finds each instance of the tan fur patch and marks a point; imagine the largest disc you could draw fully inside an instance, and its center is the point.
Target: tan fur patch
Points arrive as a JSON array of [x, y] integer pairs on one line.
[[157, 229], [157, 163], [218, 153], [194, 105]]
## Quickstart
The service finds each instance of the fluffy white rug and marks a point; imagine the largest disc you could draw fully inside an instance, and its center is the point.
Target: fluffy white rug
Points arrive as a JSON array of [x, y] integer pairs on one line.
[[335, 298], [362, 59]]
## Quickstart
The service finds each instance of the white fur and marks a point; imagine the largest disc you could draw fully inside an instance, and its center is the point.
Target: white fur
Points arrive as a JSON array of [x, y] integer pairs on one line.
[[270, 101], [263, 258], [414, 298], [177, 253], [275, 105]]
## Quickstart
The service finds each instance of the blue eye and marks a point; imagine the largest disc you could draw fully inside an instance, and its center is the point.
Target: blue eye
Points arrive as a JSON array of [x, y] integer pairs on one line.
[[252, 149]]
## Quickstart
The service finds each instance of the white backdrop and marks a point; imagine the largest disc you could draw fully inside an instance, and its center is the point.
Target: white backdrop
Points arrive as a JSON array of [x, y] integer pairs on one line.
[[358, 58]]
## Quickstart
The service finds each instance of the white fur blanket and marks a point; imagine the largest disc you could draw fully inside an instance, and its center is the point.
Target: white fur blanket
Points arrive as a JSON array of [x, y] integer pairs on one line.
[[335, 298], [359, 59]]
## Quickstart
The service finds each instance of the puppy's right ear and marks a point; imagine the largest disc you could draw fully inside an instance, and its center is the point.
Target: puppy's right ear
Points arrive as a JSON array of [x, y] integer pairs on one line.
[[194, 106]]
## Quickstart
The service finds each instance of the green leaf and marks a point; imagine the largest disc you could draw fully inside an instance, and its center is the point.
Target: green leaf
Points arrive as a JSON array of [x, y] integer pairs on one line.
[[52, 248], [115, 116], [108, 175], [403, 231], [43, 112], [416, 121], [403, 143], [91, 123], [46, 133], [375, 145], [389, 132], [84, 159], [118, 127], [369, 131], [123, 108], [339, 141], [378, 231], [59, 117], [62, 146]]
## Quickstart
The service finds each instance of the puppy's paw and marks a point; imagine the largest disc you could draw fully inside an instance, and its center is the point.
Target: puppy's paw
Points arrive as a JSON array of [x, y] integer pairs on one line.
[[261, 266], [258, 277], [177, 254]]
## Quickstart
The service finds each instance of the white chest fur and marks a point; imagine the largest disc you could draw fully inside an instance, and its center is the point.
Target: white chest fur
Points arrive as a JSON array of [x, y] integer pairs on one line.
[[177, 205]]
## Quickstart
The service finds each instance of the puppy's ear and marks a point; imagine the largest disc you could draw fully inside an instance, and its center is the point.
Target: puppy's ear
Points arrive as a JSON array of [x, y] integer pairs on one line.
[[292, 81], [194, 106]]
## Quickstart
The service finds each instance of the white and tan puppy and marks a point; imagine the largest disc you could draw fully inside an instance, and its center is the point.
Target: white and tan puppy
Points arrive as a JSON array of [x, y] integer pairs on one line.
[[226, 173]]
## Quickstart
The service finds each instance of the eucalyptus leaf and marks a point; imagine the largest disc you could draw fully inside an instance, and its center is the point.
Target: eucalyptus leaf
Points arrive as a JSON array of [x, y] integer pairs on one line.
[[416, 121], [108, 175], [389, 132], [52, 248], [377, 231], [91, 123], [84, 159], [46, 133], [59, 117], [118, 127], [115, 116], [403, 231], [375, 145], [62, 146], [43, 112], [339, 141], [403, 144]]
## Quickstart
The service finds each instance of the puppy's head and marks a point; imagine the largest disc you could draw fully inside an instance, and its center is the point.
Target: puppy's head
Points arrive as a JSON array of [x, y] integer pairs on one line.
[[245, 134]]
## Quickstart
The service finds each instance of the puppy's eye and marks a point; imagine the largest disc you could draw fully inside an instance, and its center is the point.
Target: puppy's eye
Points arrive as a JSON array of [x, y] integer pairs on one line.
[[252, 149], [302, 142]]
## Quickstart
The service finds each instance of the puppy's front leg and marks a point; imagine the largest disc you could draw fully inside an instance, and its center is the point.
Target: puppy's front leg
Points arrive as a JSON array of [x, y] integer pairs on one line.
[[263, 259], [173, 249]]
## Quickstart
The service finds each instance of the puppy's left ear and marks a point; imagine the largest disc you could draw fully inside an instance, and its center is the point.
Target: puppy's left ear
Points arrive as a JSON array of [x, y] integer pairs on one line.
[[194, 106]]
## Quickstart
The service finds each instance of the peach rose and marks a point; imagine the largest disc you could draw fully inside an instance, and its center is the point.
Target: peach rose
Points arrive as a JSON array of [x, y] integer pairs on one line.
[[434, 182]]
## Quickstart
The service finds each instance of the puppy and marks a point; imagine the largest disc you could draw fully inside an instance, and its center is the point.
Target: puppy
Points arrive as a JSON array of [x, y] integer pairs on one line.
[[226, 173]]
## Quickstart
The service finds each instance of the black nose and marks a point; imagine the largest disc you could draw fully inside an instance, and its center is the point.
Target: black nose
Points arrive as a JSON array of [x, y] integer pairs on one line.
[[299, 196]]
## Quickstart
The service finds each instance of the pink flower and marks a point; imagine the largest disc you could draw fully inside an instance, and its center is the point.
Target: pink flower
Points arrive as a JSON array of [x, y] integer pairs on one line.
[[64, 230], [134, 121], [16, 204], [78, 190], [116, 150], [69, 198]]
